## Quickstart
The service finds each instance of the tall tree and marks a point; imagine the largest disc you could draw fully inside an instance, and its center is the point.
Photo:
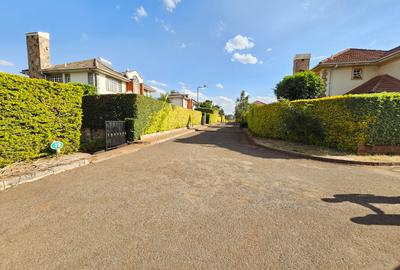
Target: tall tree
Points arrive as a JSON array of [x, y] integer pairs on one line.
[[242, 107]]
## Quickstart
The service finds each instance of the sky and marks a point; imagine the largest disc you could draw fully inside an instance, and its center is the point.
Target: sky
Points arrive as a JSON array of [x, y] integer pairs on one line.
[[229, 45]]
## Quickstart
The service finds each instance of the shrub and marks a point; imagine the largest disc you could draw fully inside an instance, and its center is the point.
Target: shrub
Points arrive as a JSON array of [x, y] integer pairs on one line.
[[144, 115], [344, 122], [303, 85], [88, 89], [33, 113]]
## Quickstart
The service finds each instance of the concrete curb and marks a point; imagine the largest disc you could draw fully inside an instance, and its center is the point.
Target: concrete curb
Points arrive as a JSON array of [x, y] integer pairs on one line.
[[319, 158], [34, 176]]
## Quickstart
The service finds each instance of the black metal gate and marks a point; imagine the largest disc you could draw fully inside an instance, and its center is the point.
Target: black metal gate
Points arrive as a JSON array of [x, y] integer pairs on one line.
[[115, 134]]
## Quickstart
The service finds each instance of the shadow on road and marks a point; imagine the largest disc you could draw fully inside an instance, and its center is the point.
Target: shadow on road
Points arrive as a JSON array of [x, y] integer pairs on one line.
[[232, 138], [366, 200]]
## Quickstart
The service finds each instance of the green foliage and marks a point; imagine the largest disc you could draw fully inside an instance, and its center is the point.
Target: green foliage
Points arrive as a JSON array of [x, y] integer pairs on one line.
[[144, 115], [164, 98], [214, 117], [301, 125], [88, 89], [303, 85], [155, 116], [242, 107], [33, 113], [341, 122], [98, 109]]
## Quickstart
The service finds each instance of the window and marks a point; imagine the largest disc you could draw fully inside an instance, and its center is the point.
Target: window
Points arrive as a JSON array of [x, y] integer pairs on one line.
[[90, 79], [113, 85], [67, 77], [357, 74], [55, 78]]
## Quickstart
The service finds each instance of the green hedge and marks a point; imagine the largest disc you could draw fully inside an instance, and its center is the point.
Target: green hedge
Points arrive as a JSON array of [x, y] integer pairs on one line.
[[101, 108], [33, 113], [341, 122], [154, 116], [144, 115]]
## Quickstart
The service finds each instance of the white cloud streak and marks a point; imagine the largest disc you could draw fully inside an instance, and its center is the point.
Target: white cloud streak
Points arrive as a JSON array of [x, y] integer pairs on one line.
[[140, 13], [244, 58], [5, 63], [239, 43], [170, 5]]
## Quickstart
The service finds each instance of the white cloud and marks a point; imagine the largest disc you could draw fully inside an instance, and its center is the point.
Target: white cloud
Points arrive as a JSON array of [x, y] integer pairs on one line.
[[5, 63], [220, 85], [321, 57], [244, 58], [157, 83], [159, 90], [170, 5], [269, 50], [182, 46], [226, 103], [140, 13], [193, 94], [165, 26], [239, 43], [260, 62], [118, 7]]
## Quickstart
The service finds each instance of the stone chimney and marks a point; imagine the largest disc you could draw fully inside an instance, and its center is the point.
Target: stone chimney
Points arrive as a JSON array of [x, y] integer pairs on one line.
[[301, 62], [38, 45]]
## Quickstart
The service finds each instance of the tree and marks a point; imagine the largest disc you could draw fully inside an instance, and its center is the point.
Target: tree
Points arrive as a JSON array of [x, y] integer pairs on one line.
[[207, 104], [164, 97], [242, 107], [303, 85], [88, 89]]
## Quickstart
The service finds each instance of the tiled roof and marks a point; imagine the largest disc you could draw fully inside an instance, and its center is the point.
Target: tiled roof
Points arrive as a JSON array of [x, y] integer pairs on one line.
[[358, 56], [378, 84], [93, 63]]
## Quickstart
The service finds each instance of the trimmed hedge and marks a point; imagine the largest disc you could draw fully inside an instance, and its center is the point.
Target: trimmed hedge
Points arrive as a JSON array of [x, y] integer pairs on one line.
[[345, 121], [144, 115], [33, 113], [101, 108], [155, 116]]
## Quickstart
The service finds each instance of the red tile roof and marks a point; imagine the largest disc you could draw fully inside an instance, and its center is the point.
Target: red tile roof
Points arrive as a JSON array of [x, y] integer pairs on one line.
[[378, 84], [358, 56]]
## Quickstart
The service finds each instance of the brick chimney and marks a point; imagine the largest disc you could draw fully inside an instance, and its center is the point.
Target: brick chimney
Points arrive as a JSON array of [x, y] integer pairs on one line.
[[301, 62], [38, 45]]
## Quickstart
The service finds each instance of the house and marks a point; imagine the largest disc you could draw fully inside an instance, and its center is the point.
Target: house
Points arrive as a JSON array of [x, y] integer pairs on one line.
[[258, 103], [136, 84], [356, 71], [182, 100]]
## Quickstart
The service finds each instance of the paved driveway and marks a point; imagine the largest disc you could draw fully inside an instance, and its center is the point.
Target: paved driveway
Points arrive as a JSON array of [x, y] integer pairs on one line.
[[205, 201]]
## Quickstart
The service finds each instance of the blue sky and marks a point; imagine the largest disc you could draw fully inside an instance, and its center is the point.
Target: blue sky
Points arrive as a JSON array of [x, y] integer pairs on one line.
[[230, 45]]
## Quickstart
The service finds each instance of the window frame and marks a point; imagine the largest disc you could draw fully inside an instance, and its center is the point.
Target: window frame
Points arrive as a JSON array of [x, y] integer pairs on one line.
[[59, 76], [353, 72], [67, 78], [113, 85]]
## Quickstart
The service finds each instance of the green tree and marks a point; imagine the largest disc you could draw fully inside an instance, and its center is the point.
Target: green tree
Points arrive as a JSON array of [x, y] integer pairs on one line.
[[302, 85], [242, 107], [164, 97], [88, 89]]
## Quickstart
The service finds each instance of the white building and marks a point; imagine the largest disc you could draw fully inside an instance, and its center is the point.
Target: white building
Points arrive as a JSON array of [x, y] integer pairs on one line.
[[96, 71]]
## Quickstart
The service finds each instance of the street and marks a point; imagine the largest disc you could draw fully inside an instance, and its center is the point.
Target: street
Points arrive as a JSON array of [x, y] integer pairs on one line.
[[207, 200]]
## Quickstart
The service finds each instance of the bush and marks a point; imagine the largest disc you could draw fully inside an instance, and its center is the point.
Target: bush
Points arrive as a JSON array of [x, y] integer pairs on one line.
[[303, 85], [145, 115], [33, 113], [98, 109], [341, 122], [88, 89], [154, 116]]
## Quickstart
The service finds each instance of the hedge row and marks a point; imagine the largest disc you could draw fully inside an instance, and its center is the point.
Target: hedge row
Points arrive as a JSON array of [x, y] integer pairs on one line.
[[341, 122], [154, 116], [33, 113], [144, 115]]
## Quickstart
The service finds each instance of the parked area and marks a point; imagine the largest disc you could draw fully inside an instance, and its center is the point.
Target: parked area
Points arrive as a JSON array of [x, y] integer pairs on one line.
[[207, 200]]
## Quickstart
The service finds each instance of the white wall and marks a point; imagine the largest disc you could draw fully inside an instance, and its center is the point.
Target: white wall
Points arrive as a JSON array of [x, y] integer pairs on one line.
[[81, 77], [391, 68], [102, 88], [342, 82], [176, 101]]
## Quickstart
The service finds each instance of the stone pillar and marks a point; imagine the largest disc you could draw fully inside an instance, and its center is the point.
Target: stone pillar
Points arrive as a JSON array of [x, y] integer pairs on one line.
[[301, 63], [38, 45]]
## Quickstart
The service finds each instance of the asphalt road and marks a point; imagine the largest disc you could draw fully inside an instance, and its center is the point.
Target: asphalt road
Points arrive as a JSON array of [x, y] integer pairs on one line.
[[208, 200]]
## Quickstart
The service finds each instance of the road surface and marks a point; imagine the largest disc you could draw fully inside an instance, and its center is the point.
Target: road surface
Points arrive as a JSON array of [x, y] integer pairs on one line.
[[208, 200]]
